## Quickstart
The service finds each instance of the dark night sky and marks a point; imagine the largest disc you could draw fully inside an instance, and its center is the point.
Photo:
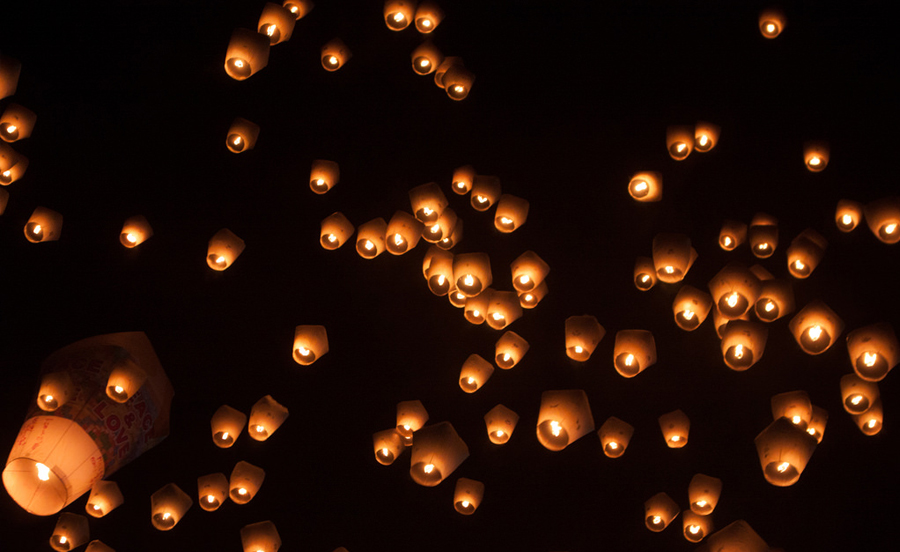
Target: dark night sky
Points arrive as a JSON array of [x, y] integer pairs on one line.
[[571, 98]]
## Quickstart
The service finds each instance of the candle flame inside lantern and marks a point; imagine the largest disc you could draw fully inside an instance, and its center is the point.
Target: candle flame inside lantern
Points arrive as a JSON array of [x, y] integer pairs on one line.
[[224, 435], [869, 359], [727, 241], [131, 238], [613, 445], [6, 174], [704, 139], [210, 498], [769, 306], [499, 433], [889, 229], [427, 210], [406, 427], [303, 351], [332, 60], [579, 349], [529, 298], [43, 472], [506, 356], [270, 30], [435, 229], [260, 429], [369, 245], [815, 332], [872, 423], [506, 220], [555, 428], [497, 316], [763, 246], [799, 265], [385, 451], [629, 359], [118, 389], [675, 438], [645, 278], [441, 280], [10, 128], [856, 399], [62, 540], [739, 351], [732, 300], [469, 280], [242, 491], [481, 199], [398, 239], [331, 238], [470, 380], [95, 507], [815, 161], [426, 23], [428, 468], [475, 313], [398, 17], [783, 467], [796, 420], [656, 520], [37, 227], [670, 269], [847, 220], [294, 9], [48, 398], [465, 503], [694, 529], [701, 503], [423, 64], [166, 515], [687, 314]]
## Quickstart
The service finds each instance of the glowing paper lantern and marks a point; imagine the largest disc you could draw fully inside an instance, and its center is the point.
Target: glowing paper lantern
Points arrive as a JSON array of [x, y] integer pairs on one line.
[[428, 16], [706, 136], [485, 192], [212, 490], [805, 253], [695, 526], [500, 422], [673, 256], [335, 54], [458, 81], [735, 290], [883, 218], [530, 299], [245, 481], [793, 405], [848, 215], [659, 511], [12, 165], [440, 273], [370, 238], [55, 391], [227, 423], [4, 199], [44, 225], [509, 350], [475, 308], [474, 373], [871, 420], [167, 506], [646, 187], [125, 379], [428, 202], [426, 58], [857, 394], [732, 234], [448, 242], [679, 142], [17, 122], [776, 299], [310, 344], [398, 14], [815, 156], [260, 537], [874, 351], [98, 546], [242, 135], [299, 8], [135, 231], [528, 271], [511, 213], [816, 426], [388, 445], [784, 449], [266, 416], [675, 427], [411, 417], [463, 179], [763, 235], [721, 322], [644, 273], [9, 75], [442, 230], [403, 233], [743, 343], [614, 436], [104, 498], [472, 273], [771, 22], [634, 352], [564, 417], [583, 333], [323, 176], [503, 309], [334, 231], [690, 307], [703, 494], [224, 248], [467, 495], [71, 531], [436, 453], [816, 327], [276, 22], [247, 53]]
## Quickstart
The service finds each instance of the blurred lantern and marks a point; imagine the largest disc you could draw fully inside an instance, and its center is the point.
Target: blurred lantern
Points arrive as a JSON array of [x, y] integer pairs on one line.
[[468, 495], [323, 176], [436, 453], [442, 229], [428, 202], [530, 299], [634, 351], [135, 231], [679, 142], [675, 428], [793, 405], [247, 53], [298, 8], [735, 290], [784, 450], [167, 506], [55, 391], [44, 225], [691, 306], [12, 165], [706, 136], [732, 234], [644, 273], [646, 187], [335, 54], [224, 248], [614, 436], [398, 14], [266, 416], [528, 271], [776, 299], [816, 327], [98, 546], [411, 417], [104, 498], [511, 213], [428, 16], [583, 333], [564, 417], [509, 350], [475, 309], [883, 218], [771, 22], [503, 309], [403, 233], [388, 445], [17, 122], [857, 394], [673, 256], [874, 351], [763, 235], [457, 80], [370, 238], [426, 58], [816, 426], [659, 511], [310, 344], [440, 273], [870, 421], [125, 378], [500, 422], [463, 179], [703, 494], [805, 253], [71, 531], [472, 273], [815, 155], [743, 343], [4, 199], [695, 526], [474, 373], [9, 75], [245, 482], [276, 22], [212, 490], [485, 192], [227, 423], [260, 537], [334, 231], [447, 242], [848, 215]]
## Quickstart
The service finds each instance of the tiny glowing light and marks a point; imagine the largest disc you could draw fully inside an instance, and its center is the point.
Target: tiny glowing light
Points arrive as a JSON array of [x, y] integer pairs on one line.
[[578, 349], [445, 240], [555, 428], [694, 529], [210, 498], [815, 332], [459, 89], [37, 227], [434, 229], [499, 433], [506, 356], [497, 316], [469, 280], [460, 297], [770, 28], [427, 210], [815, 161], [242, 491], [811, 431], [529, 298], [96, 507], [303, 351], [426, 23], [763, 246], [441, 280], [739, 351], [131, 238], [732, 300], [889, 229], [670, 269], [166, 515], [224, 435], [475, 313], [406, 427], [799, 265], [236, 141], [613, 445], [220, 260], [332, 238], [426, 63], [856, 399], [645, 278], [869, 359], [727, 241], [294, 9], [629, 359], [428, 468], [675, 438], [656, 520], [769, 306], [320, 182], [259, 429], [687, 314], [385, 451], [847, 220], [701, 503], [506, 220], [680, 147], [239, 63], [48, 398], [118, 389], [782, 467], [480, 198], [872, 423], [796, 420], [270, 30], [704, 139], [43, 472], [640, 187], [369, 245], [470, 380], [7, 173], [10, 128], [332, 60], [398, 17], [62, 540], [460, 185]]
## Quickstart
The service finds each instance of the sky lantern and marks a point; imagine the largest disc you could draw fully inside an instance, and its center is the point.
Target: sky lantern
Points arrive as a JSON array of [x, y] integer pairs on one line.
[[720, 322], [426, 58], [737, 536], [457, 298], [793, 405], [805, 253], [743, 343], [310, 344], [247, 53], [583, 333], [260, 537], [403, 233], [411, 417], [694, 526], [135, 231], [776, 299], [467, 495], [679, 142], [16, 122], [370, 238], [242, 135], [857, 394], [615, 435], [485, 192], [12, 165], [398, 14], [323, 175], [869, 422], [457, 80], [71, 531], [815, 156], [732, 234], [245, 481], [55, 391], [646, 187], [440, 273], [125, 378], [335, 54], [442, 230], [167, 506], [771, 22], [463, 179], [44, 225], [474, 373], [428, 202], [500, 422], [4, 199], [530, 299], [224, 248], [266, 416], [847, 215], [528, 271], [883, 218], [511, 213], [334, 231], [299, 8], [673, 256], [735, 290], [706, 136], [675, 427], [212, 490], [763, 235], [430, 255], [784, 449], [276, 22], [472, 273], [703, 494], [428, 16], [227, 423], [874, 351], [104, 498], [503, 309], [644, 273], [634, 352], [388, 445], [9, 75], [98, 546], [564, 417], [436, 453], [448, 242], [817, 424], [816, 327], [476, 308], [690, 307], [509, 350], [659, 511]]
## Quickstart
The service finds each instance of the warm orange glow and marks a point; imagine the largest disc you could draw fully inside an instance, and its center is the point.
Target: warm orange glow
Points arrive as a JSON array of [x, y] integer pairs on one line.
[[385, 451], [675, 438], [739, 351], [796, 420], [506, 220], [239, 63], [131, 238], [694, 529], [43, 472], [332, 60], [428, 468], [815, 332], [166, 515], [815, 161], [259, 429], [481, 199], [869, 359], [704, 139], [369, 245], [499, 433], [732, 299], [426, 23], [629, 360], [579, 349], [872, 423], [242, 491], [727, 241], [798, 264], [701, 503], [680, 148], [670, 270], [470, 380], [613, 445], [294, 9], [645, 278], [890, 228], [656, 520], [37, 229], [119, 389], [529, 298], [406, 427], [459, 89], [398, 17], [847, 220], [555, 428], [210, 498], [497, 316], [270, 30], [763, 246], [224, 435], [687, 314], [769, 306], [783, 467], [856, 400], [63, 540], [469, 280]]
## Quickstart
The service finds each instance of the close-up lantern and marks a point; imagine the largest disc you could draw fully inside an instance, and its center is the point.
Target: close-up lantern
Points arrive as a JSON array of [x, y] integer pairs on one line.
[[870, 421], [323, 175], [485, 192], [310, 344], [500, 422], [472, 273], [247, 53], [784, 449], [732, 234], [679, 142], [260, 537], [335, 54], [428, 16], [615, 435], [703, 493], [675, 427], [583, 333], [816, 327], [16, 123], [857, 394], [776, 299], [644, 273], [135, 231], [646, 187], [503, 309], [706, 136], [634, 352], [848, 214], [242, 135], [463, 179], [509, 350], [426, 58], [734, 289], [467, 495], [71, 531], [695, 526], [266, 416], [691, 307], [44, 225], [511, 213], [793, 405], [564, 417], [224, 248], [403, 233], [883, 218], [815, 156], [226, 424], [276, 22], [370, 238], [805, 253], [212, 490], [528, 271], [474, 373], [659, 511], [436, 452], [743, 343], [673, 256], [245, 481], [411, 417], [874, 351], [104, 498], [428, 202], [771, 22], [763, 235], [334, 231], [398, 14], [388, 445], [167, 506], [12, 165]]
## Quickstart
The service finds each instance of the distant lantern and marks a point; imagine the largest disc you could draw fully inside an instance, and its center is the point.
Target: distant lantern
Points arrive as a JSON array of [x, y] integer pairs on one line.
[[403, 233], [646, 187], [224, 248], [871, 420], [167, 506], [44, 225], [743, 343], [874, 351], [793, 405], [227, 423], [703, 493], [440, 273], [763, 235], [583, 333], [428, 16], [644, 273], [564, 417], [98, 546], [431, 254], [245, 481], [276, 22], [503, 309], [4, 199], [125, 379], [530, 299], [212, 490], [441, 231], [474, 373], [735, 290], [310, 344], [776, 299], [472, 273], [784, 449], [463, 179], [436, 453], [247, 53], [266, 416], [71, 531], [673, 256], [500, 422], [634, 352], [335, 54], [9, 75], [388, 445], [695, 526], [426, 58], [761, 273], [260, 537], [675, 427], [411, 417], [511, 213], [815, 156], [679, 142], [805, 253], [732, 234], [448, 242], [848, 215], [17, 122], [135, 231], [242, 135], [485, 192], [323, 176], [614, 436], [771, 22], [816, 426], [509, 350], [458, 81], [370, 238], [55, 391], [706, 136], [457, 298], [12, 165], [104, 498], [816, 327], [299, 8], [334, 231], [659, 511], [468, 495], [398, 14], [528, 271], [857, 394], [883, 218], [691, 307], [428, 202]]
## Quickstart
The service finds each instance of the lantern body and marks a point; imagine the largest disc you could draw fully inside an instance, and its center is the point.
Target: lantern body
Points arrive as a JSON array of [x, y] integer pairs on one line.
[[442, 229], [334, 231], [426, 58], [695, 526], [805, 253], [706, 136], [564, 417], [467, 495], [403, 233], [703, 494], [883, 218], [370, 238], [776, 299], [212, 490], [763, 235], [167, 506], [857, 394], [428, 16], [646, 187], [847, 215], [276, 22], [12, 165], [793, 405], [644, 273], [260, 537], [528, 271], [266, 416], [310, 344], [436, 453], [614, 436], [9, 75], [323, 175], [816, 327], [56, 389], [691, 307], [428, 202], [509, 350], [500, 422], [721, 322], [675, 427], [71, 531], [784, 449], [511, 213], [135, 231], [583, 333], [659, 511], [4, 200], [98, 546], [299, 8], [335, 54], [463, 179], [224, 248], [679, 142], [634, 352], [125, 379], [458, 81], [472, 273], [247, 54], [474, 373], [871, 420], [104, 498], [44, 225], [411, 417], [475, 308], [816, 426], [673, 256], [245, 481], [440, 272], [227, 423], [503, 309], [815, 156], [530, 299], [388, 445], [242, 135], [447, 242], [771, 22], [732, 234], [17, 122], [735, 290], [874, 351], [485, 192], [398, 14], [743, 343]]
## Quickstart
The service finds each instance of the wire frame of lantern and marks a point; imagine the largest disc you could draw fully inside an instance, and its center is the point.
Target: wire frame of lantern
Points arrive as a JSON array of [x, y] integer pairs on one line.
[[500, 422], [411, 417], [299, 8], [212, 490], [485, 192], [440, 273], [874, 351], [734, 289], [644, 273], [467, 495], [474, 373], [167, 506], [437, 451], [387, 446], [615, 435], [9, 75], [260, 537], [847, 215], [276, 22], [428, 16], [44, 225], [509, 350], [242, 135], [503, 309], [695, 527], [564, 417], [763, 235], [793, 405], [323, 175], [458, 81], [335, 54], [528, 271], [646, 187], [776, 299], [472, 273], [16, 122], [703, 494], [530, 299], [403, 233], [679, 142], [784, 449], [4, 200], [426, 58], [673, 256], [266, 416], [428, 202], [816, 327], [223, 249], [512, 211], [871, 420], [398, 14], [675, 427], [476, 308], [463, 179], [634, 352], [442, 228], [104, 498], [883, 218], [12, 165], [370, 238], [659, 511], [227, 424], [743, 343], [456, 236], [56, 390], [706, 136], [691, 307], [805, 253], [98, 546], [310, 344], [334, 231], [583, 333], [815, 156], [732, 234], [247, 54], [771, 22], [71, 531], [245, 481], [135, 231], [125, 379]]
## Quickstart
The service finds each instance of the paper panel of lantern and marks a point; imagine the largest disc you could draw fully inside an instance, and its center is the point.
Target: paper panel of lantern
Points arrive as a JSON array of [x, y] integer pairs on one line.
[[12, 165], [771, 23], [16, 123], [442, 230], [530, 299], [370, 238], [426, 58], [398, 14], [815, 156], [763, 235], [260, 537], [474, 373], [448, 242], [503, 309], [870, 421], [428, 16], [411, 417], [564, 417], [167, 506], [784, 449], [805, 253], [883, 219], [793, 405], [104, 498], [440, 273], [847, 215], [467, 495], [224, 248], [734, 289], [694, 526], [583, 333], [227, 423], [334, 231], [71, 531], [310, 344], [874, 351], [242, 135], [743, 343], [476, 308], [659, 511], [323, 175], [299, 8], [247, 53], [388, 445], [135, 231], [266, 416], [857, 394], [403, 233], [732, 234], [276, 22], [509, 350], [776, 299], [10, 69], [675, 427], [485, 192], [436, 452], [427, 202], [634, 352], [706, 136], [644, 273], [472, 273], [816, 426], [335, 54], [816, 327], [458, 81], [679, 142], [703, 494], [646, 187], [98, 546], [212, 490], [673, 256], [463, 179], [500, 422], [511, 213], [245, 481], [528, 271], [44, 225], [4, 200], [691, 307], [615, 435]]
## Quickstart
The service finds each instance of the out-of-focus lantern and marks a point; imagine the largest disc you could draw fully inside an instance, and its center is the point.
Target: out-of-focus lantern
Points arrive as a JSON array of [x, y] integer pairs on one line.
[[266, 416], [71, 531], [706, 136], [703, 494], [4, 199], [564, 417], [474, 373], [212, 490], [644, 273], [735, 290], [247, 53], [448, 242], [104, 498], [398, 14], [673, 256], [472, 273], [695, 526], [857, 394], [476, 308], [634, 351], [659, 511], [323, 175], [227, 423], [436, 453], [98, 546], [511, 213], [426, 58], [763, 235], [732, 234], [815, 156], [335, 54], [816, 327], [457, 80], [784, 450], [874, 351], [17, 122], [260, 537], [9, 75], [679, 142], [442, 229], [691, 307], [428, 16], [805, 253], [310, 344], [242, 135], [334, 231], [848, 215], [245, 481], [224, 248], [793, 405], [55, 391], [530, 299], [485, 192], [168, 505], [44, 225], [463, 179], [614, 436], [509, 350], [411, 417], [743, 343], [428, 202], [776, 299], [583, 333], [388, 445], [403, 233], [528, 271], [675, 427], [467, 496], [370, 238], [500, 422], [135, 231], [503, 309], [440, 273], [276, 22], [12, 165], [125, 378], [816, 426], [646, 187], [737, 537], [883, 218], [771, 22], [299, 8], [870, 421]]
